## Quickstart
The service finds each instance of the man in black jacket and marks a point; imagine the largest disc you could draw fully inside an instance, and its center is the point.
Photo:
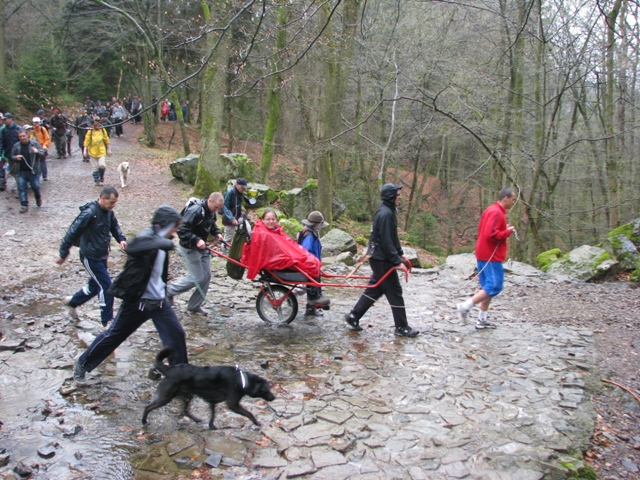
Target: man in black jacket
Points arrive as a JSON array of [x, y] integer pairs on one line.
[[198, 222], [92, 231], [386, 253], [142, 287], [25, 164]]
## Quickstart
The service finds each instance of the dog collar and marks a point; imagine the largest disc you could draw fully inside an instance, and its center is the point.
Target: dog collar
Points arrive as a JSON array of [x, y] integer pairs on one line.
[[243, 377]]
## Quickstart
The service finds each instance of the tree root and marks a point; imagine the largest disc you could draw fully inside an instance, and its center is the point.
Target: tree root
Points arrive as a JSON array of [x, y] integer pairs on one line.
[[626, 389]]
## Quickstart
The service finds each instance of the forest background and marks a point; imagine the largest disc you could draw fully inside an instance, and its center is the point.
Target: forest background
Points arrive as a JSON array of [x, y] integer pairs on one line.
[[454, 99]]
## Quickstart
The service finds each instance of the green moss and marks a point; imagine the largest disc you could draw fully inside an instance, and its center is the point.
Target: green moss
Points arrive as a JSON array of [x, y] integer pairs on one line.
[[205, 183], [361, 241], [603, 257], [626, 230], [544, 259], [584, 473], [291, 226], [635, 276]]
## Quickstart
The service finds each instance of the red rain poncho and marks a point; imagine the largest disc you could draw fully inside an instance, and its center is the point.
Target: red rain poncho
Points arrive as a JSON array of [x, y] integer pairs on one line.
[[275, 250]]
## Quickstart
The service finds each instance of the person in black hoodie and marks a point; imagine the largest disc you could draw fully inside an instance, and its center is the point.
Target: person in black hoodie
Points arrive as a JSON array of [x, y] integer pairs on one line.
[[142, 287], [386, 253], [92, 231], [25, 165]]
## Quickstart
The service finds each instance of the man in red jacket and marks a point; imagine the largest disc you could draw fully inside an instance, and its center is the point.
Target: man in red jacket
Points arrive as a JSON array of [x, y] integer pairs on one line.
[[491, 251]]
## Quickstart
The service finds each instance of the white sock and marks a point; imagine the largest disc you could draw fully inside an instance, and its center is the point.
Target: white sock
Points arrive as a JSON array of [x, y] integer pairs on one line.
[[467, 305], [482, 316]]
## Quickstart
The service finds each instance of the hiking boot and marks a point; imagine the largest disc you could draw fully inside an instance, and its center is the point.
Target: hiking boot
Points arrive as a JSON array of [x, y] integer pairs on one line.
[[73, 313], [23, 208], [353, 322], [480, 324], [199, 311], [39, 201], [463, 312], [319, 302], [406, 332], [154, 374], [78, 370]]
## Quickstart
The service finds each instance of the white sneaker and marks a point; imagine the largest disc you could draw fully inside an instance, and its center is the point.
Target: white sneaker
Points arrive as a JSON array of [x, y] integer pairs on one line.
[[480, 324], [72, 310], [463, 312]]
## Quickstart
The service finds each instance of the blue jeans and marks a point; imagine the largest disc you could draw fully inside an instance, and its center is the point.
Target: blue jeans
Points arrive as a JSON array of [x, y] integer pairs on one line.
[[32, 179], [99, 283], [129, 318], [43, 166]]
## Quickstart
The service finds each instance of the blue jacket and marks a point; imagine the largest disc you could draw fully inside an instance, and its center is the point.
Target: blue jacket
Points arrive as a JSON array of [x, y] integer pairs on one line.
[[92, 231], [311, 243]]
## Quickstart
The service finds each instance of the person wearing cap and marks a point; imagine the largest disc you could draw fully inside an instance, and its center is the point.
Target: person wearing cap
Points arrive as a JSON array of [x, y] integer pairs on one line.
[[82, 125], [309, 238], [198, 222], [97, 147], [142, 287], [8, 138], [44, 121], [232, 209], [25, 166], [59, 132], [385, 253], [42, 136], [92, 231]]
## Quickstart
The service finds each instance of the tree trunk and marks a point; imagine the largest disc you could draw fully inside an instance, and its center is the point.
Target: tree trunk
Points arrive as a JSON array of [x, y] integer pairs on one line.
[[273, 100], [212, 174]]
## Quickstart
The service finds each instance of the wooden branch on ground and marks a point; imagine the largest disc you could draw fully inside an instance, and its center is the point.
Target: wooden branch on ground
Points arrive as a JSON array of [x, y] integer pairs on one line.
[[628, 390]]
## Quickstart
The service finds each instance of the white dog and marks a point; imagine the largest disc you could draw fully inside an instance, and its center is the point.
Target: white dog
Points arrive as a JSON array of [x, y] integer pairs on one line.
[[123, 170]]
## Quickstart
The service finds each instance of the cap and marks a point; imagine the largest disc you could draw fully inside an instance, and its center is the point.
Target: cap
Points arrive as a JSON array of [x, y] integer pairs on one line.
[[8, 115], [1, 116], [27, 127], [56, 111], [315, 219], [242, 182], [83, 108], [96, 119], [35, 119], [40, 112]]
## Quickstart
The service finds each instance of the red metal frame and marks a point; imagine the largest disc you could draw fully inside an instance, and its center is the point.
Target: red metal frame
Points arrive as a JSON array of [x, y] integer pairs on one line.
[[312, 282]]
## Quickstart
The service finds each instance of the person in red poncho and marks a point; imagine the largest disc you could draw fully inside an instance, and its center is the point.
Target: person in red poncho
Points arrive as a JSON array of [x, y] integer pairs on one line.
[[272, 249], [491, 251]]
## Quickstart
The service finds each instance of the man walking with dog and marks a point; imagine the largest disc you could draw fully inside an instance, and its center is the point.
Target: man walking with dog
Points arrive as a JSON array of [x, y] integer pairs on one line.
[[142, 287], [491, 251], [386, 253], [198, 222], [92, 231]]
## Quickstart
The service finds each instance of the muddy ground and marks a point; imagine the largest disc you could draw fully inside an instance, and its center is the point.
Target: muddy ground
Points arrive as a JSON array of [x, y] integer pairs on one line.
[[32, 285]]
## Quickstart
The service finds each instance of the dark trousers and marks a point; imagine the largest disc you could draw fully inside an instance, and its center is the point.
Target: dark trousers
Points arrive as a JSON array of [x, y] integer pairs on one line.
[[99, 283], [390, 288], [118, 126], [3, 179], [43, 166], [61, 143], [32, 179], [129, 318]]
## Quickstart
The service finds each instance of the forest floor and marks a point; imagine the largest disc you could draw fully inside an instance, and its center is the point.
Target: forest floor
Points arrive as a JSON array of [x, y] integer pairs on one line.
[[612, 313]]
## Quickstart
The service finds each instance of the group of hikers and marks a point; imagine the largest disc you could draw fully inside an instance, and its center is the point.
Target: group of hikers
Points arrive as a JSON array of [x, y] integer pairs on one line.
[[146, 293]]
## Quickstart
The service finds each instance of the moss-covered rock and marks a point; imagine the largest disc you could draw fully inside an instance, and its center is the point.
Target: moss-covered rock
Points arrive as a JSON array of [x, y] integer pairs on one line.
[[585, 263], [623, 250], [544, 259], [291, 226]]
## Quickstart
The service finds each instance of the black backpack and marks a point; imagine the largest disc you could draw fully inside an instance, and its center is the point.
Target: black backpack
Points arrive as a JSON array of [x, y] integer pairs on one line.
[[82, 208]]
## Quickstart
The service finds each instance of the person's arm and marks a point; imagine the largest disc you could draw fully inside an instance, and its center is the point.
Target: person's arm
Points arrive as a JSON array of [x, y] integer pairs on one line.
[[74, 233], [214, 231], [226, 208], [116, 232], [185, 230], [499, 228]]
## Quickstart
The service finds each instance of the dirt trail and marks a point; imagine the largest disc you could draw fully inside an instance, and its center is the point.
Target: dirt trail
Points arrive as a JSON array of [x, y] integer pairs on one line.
[[30, 244]]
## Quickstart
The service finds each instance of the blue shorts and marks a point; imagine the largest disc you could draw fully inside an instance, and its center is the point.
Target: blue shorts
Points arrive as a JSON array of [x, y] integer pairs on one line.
[[491, 277]]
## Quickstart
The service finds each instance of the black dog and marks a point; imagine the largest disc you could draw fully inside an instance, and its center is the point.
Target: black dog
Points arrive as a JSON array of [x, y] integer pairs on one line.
[[212, 384]]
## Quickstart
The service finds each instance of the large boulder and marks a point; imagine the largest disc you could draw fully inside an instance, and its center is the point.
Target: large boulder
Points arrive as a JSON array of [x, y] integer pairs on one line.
[[545, 259], [237, 165], [337, 241], [412, 256], [186, 168], [298, 202], [460, 266], [585, 263], [623, 250]]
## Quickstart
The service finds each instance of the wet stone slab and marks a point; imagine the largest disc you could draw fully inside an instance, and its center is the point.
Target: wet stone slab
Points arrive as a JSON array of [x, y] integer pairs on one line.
[[451, 403]]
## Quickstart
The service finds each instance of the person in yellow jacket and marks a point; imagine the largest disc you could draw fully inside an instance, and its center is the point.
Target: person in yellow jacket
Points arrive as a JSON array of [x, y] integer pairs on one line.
[[96, 145], [44, 139]]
